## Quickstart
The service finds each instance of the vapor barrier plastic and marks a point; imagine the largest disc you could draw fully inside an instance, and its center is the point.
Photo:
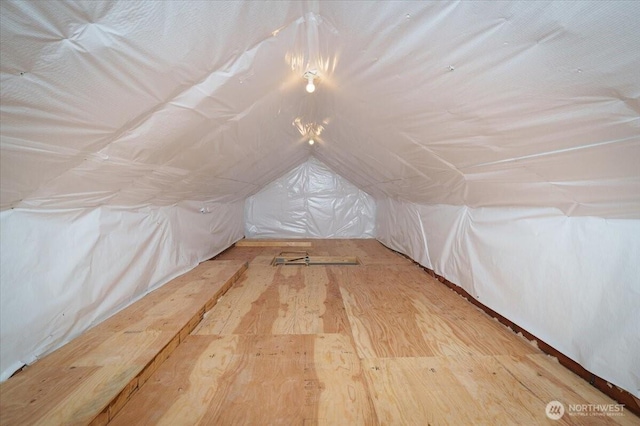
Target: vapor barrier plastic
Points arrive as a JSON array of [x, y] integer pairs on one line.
[[310, 201], [145, 103], [64, 271], [574, 282], [508, 104]]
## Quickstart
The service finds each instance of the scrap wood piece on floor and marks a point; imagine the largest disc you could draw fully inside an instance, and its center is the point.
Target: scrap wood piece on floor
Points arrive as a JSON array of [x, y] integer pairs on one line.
[[273, 243]]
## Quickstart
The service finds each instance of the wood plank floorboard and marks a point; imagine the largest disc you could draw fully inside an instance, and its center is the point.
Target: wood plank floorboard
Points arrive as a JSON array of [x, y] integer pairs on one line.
[[99, 369], [402, 312], [256, 379], [368, 251], [478, 390], [273, 243], [280, 300]]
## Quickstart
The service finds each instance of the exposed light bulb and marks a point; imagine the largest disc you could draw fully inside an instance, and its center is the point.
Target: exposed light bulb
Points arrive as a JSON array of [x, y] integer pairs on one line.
[[310, 86], [311, 142], [310, 76]]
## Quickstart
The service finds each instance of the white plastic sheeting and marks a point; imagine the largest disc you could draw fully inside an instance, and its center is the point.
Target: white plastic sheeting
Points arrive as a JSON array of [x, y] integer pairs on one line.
[[540, 269], [491, 112], [145, 103], [484, 104], [64, 271], [310, 201]]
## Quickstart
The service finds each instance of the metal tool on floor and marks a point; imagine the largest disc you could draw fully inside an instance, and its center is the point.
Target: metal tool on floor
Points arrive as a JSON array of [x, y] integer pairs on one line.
[[303, 258]]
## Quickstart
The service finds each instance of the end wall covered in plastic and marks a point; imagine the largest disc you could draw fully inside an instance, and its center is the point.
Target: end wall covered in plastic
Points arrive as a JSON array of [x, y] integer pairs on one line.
[[310, 201]]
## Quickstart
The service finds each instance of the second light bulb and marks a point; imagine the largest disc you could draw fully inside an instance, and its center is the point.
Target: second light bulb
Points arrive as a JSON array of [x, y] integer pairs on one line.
[[310, 86]]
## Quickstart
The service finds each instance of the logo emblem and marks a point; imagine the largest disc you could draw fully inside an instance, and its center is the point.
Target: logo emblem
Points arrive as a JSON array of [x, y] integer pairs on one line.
[[555, 410]]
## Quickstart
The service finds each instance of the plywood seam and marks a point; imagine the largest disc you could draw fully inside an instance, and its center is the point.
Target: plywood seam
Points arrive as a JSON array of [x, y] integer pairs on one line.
[[609, 389], [121, 374], [112, 409]]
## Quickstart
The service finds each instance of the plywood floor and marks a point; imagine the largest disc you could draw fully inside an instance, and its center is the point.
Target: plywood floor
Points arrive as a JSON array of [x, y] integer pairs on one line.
[[91, 377], [378, 343]]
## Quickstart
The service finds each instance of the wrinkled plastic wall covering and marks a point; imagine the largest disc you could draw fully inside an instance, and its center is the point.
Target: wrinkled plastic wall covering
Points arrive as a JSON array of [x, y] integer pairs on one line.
[[574, 282], [64, 271], [311, 201]]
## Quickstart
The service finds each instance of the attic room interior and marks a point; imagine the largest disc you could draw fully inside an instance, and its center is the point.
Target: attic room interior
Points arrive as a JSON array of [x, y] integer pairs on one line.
[[319, 212]]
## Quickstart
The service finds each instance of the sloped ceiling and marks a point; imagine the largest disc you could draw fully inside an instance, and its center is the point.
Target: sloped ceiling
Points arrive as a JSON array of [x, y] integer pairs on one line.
[[517, 104]]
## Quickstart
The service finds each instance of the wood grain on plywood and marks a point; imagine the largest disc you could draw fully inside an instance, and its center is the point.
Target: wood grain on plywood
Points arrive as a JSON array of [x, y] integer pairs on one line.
[[402, 312], [470, 390], [263, 260], [273, 243], [245, 254], [260, 379], [368, 251], [546, 378], [106, 363], [277, 300]]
